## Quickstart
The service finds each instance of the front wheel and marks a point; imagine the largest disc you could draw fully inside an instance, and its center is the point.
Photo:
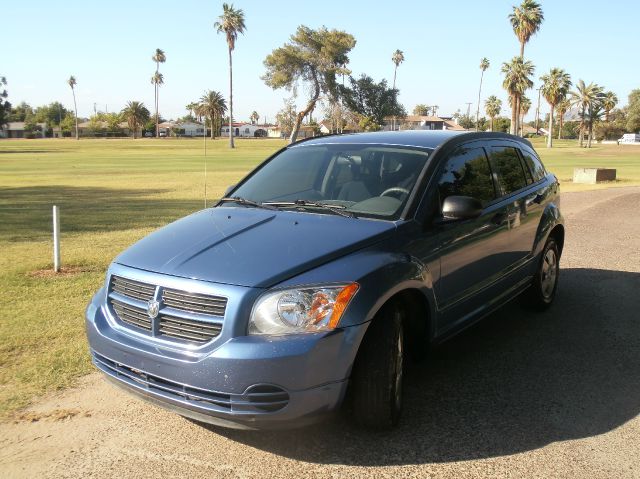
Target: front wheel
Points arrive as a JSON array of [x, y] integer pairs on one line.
[[377, 373], [545, 282]]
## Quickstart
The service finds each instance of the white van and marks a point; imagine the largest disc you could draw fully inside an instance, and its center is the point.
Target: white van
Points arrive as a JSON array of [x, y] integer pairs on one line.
[[630, 138]]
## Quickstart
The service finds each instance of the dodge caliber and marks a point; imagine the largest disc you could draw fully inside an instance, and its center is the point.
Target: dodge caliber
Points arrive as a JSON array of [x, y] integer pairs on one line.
[[315, 277]]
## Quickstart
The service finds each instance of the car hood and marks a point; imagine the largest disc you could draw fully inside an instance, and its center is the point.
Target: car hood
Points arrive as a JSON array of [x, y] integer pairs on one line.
[[250, 246]]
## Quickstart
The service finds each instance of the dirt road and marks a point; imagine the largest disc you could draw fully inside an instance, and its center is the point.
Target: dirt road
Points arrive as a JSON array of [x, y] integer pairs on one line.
[[519, 395]]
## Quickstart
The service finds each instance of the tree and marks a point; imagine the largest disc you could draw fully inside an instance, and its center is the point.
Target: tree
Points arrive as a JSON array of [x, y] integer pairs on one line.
[[135, 114], [484, 65], [421, 110], [20, 112], [517, 80], [397, 58], [525, 106], [5, 106], [72, 83], [562, 107], [313, 57], [492, 106], [286, 118], [526, 20], [609, 103], [214, 106], [231, 22], [633, 111], [585, 98], [157, 79], [555, 87], [371, 100], [254, 117]]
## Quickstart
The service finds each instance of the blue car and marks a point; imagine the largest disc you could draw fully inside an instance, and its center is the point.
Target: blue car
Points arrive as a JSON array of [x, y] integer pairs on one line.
[[322, 271]]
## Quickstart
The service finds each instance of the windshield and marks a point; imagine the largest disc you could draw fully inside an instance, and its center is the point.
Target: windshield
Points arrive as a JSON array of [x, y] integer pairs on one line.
[[366, 180]]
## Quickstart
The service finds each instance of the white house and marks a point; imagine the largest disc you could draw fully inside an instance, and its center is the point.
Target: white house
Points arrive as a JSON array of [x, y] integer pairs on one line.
[[15, 129], [186, 128], [245, 130]]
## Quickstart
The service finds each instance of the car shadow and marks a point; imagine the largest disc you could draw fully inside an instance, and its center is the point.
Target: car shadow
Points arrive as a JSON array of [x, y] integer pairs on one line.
[[515, 382], [26, 211]]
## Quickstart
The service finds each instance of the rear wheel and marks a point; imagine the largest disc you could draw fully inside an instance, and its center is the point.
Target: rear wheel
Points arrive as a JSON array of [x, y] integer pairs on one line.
[[545, 282], [378, 372]]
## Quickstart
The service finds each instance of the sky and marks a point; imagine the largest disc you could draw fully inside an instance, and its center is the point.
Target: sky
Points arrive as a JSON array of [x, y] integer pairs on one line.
[[108, 46]]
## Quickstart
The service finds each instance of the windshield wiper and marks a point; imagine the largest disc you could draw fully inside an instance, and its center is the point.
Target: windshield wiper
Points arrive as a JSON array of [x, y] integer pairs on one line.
[[337, 209], [245, 202]]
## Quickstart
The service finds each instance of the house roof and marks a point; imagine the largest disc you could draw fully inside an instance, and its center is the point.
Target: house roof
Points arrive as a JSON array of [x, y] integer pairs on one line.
[[452, 125], [19, 125]]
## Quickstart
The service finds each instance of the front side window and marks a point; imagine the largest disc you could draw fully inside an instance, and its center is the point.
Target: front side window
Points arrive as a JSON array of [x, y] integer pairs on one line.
[[506, 161], [365, 180], [467, 173], [534, 164]]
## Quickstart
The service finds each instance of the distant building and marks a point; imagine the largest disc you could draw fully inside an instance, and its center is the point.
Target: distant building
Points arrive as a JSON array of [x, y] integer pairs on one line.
[[421, 122], [245, 130], [186, 128], [305, 131], [15, 129]]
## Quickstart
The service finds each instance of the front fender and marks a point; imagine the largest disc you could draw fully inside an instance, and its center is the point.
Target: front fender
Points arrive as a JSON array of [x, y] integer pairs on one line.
[[381, 275]]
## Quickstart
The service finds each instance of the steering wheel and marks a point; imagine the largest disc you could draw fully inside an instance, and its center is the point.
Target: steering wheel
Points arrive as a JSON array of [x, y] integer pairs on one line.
[[395, 191]]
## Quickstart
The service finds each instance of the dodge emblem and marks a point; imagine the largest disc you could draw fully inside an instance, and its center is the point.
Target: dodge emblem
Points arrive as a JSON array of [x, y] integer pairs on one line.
[[153, 307]]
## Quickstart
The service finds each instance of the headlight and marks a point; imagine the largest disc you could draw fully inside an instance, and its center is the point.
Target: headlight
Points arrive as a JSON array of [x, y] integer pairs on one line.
[[301, 310]]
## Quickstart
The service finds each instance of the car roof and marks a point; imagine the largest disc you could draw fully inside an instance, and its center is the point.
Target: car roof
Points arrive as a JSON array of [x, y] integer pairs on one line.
[[415, 138]]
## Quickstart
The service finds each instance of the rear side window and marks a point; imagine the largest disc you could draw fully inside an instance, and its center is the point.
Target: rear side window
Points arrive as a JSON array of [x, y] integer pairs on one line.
[[534, 165], [467, 173], [506, 162]]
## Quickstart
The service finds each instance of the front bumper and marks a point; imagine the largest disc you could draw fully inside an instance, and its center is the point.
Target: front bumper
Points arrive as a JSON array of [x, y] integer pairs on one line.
[[247, 382]]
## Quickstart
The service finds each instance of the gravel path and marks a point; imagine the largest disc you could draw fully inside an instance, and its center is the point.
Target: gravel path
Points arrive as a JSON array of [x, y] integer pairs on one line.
[[519, 395]]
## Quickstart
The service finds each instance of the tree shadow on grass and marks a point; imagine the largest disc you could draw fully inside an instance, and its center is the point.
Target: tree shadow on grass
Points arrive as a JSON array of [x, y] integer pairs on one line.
[[26, 212], [515, 382]]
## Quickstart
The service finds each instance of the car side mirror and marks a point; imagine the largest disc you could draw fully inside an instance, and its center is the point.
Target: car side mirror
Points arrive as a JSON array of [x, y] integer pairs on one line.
[[229, 190], [461, 208]]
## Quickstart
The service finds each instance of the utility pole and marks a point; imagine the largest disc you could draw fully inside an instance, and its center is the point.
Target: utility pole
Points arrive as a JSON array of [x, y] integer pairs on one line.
[[468, 109], [538, 109]]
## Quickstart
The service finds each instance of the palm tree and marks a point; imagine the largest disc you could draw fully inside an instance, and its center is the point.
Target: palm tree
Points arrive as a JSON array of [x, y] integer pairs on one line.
[[562, 108], [157, 79], [594, 114], [517, 80], [191, 108], [158, 57], [608, 103], [584, 97], [214, 106], [555, 86], [72, 83], [135, 113], [526, 20], [525, 106], [397, 58], [254, 117], [492, 106], [231, 22], [484, 64]]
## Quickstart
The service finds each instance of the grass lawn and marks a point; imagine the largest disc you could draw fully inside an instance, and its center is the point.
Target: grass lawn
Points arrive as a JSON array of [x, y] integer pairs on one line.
[[111, 193]]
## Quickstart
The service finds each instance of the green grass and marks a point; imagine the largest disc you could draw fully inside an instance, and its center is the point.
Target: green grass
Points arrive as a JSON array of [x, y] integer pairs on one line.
[[111, 193]]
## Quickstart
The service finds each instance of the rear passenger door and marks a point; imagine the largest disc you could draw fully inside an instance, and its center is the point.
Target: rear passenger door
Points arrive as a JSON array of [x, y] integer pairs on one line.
[[523, 194]]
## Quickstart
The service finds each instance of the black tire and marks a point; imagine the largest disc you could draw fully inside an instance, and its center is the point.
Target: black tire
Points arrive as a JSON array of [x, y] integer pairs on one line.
[[378, 372], [540, 295]]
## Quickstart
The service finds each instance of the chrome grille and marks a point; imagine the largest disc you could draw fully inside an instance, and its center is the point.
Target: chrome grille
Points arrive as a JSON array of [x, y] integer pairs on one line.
[[187, 329], [194, 303], [131, 314], [257, 399], [183, 316], [132, 289]]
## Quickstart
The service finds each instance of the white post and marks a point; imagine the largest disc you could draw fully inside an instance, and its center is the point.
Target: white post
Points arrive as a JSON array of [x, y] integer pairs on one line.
[[56, 239]]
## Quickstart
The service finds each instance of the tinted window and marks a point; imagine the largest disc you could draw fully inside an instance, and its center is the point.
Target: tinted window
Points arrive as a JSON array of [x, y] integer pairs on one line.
[[467, 173], [534, 165], [506, 162]]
